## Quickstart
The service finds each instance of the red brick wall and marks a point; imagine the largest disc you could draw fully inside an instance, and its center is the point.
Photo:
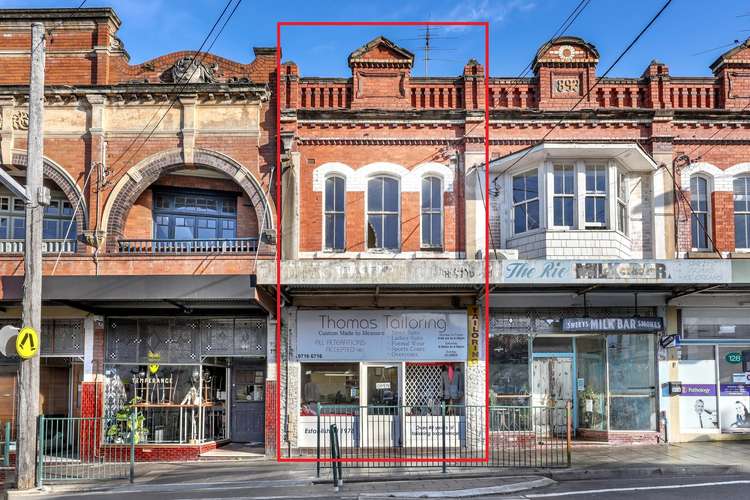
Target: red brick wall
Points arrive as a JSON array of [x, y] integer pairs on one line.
[[722, 222], [271, 416]]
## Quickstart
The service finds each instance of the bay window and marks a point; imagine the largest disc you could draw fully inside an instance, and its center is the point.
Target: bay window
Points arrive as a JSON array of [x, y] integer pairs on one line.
[[569, 194], [596, 196], [334, 213], [622, 203], [526, 201], [742, 212], [564, 195], [699, 217]]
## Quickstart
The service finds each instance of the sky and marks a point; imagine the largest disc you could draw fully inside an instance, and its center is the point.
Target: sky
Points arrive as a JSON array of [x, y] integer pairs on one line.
[[688, 36]]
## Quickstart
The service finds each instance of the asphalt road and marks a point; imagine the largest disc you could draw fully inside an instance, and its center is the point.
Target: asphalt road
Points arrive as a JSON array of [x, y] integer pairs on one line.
[[723, 487]]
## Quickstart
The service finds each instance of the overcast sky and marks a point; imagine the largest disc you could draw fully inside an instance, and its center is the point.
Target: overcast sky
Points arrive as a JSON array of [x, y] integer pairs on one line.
[[683, 37]]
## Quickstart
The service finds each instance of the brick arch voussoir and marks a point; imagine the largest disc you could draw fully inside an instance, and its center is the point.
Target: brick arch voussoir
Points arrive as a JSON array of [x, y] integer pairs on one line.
[[166, 162], [66, 184]]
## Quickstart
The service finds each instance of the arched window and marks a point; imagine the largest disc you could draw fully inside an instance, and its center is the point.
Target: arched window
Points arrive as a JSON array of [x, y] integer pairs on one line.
[[335, 227], [383, 222], [742, 212], [432, 212], [699, 227]]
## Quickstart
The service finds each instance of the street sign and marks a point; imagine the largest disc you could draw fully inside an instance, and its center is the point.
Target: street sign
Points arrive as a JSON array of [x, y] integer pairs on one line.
[[8, 340], [27, 343]]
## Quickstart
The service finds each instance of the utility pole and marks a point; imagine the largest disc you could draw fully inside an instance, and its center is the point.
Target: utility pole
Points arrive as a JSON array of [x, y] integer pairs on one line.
[[28, 395]]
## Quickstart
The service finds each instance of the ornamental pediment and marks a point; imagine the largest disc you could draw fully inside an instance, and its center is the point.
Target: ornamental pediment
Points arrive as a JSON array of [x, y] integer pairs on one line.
[[566, 51]]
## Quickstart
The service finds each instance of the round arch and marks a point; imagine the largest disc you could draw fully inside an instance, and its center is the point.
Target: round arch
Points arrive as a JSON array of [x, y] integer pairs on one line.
[[63, 180], [136, 180]]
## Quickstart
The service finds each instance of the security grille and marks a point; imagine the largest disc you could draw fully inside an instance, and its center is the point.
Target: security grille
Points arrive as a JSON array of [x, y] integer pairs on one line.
[[423, 385]]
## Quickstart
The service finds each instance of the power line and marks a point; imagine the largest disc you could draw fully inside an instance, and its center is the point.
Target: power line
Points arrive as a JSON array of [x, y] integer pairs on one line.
[[178, 86], [588, 91], [596, 83], [566, 24], [735, 43]]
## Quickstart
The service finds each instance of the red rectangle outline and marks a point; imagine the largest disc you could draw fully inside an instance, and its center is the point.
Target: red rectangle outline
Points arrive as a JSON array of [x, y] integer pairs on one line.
[[486, 26]]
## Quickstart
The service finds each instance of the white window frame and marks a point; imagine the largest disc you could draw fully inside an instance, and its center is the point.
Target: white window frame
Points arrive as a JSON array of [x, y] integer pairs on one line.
[[397, 213], [746, 214], [551, 206], [707, 212], [333, 212], [432, 212], [538, 199], [622, 199], [606, 194]]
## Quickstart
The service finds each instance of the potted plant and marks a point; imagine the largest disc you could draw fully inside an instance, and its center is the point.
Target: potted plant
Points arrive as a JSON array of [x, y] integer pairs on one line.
[[128, 424]]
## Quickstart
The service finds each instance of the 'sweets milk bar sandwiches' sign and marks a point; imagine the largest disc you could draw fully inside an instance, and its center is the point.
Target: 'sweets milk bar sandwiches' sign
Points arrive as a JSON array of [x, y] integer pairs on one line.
[[613, 325]]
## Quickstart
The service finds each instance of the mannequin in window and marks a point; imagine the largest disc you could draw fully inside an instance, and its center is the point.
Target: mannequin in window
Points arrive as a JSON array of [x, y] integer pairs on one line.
[[311, 394], [452, 384]]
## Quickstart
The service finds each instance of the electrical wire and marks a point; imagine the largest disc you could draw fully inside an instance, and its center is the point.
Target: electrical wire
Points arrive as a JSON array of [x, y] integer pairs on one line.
[[174, 88], [594, 85], [588, 92], [566, 24]]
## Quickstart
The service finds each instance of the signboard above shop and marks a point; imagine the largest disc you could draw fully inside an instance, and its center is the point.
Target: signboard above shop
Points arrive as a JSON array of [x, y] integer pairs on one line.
[[613, 325], [685, 271], [390, 335]]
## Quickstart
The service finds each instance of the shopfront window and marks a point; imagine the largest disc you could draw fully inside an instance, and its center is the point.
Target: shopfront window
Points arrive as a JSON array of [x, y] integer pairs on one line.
[[179, 404], [734, 404], [328, 383], [509, 370], [590, 383], [698, 401], [632, 382]]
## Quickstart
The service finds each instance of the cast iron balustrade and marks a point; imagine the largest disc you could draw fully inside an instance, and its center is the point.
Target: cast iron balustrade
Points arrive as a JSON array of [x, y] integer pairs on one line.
[[235, 245], [48, 246]]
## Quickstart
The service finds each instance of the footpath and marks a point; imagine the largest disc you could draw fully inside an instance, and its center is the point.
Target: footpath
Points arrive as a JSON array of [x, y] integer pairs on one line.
[[267, 479]]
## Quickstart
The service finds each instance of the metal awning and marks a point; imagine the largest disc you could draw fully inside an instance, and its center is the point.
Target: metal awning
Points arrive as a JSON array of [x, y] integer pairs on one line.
[[135, 288]]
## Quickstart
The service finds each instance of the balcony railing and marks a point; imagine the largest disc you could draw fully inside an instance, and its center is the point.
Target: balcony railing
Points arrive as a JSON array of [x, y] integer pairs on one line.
[[236, 245], [48, 246]]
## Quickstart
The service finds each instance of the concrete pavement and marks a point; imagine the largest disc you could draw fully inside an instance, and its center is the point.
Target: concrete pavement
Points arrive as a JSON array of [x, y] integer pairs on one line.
[[268, 479]]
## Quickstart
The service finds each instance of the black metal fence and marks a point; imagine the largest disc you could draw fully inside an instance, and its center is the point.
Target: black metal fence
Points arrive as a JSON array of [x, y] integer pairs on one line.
[[443, 436]]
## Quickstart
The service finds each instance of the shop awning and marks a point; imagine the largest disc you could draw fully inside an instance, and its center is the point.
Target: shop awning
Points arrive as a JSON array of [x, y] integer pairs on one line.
[[95, 292]]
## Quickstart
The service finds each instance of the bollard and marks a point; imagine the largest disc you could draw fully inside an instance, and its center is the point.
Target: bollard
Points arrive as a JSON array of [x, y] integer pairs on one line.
[[332, 432], [338, 464]]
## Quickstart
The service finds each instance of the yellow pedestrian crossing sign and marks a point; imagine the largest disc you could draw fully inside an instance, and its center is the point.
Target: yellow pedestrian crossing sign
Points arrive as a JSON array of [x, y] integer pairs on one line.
[[27, 343]]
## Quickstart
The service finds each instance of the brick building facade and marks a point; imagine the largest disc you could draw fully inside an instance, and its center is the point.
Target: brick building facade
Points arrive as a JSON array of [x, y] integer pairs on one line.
[[161, 237], [166, 168]]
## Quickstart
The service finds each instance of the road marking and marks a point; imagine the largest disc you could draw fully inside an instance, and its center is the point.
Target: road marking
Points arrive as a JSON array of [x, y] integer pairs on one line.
[[636, 488]]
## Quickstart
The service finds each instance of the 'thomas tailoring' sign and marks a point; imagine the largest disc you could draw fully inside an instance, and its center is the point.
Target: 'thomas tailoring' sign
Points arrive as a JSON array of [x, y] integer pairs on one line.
[[613, 325], [393, 335]]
